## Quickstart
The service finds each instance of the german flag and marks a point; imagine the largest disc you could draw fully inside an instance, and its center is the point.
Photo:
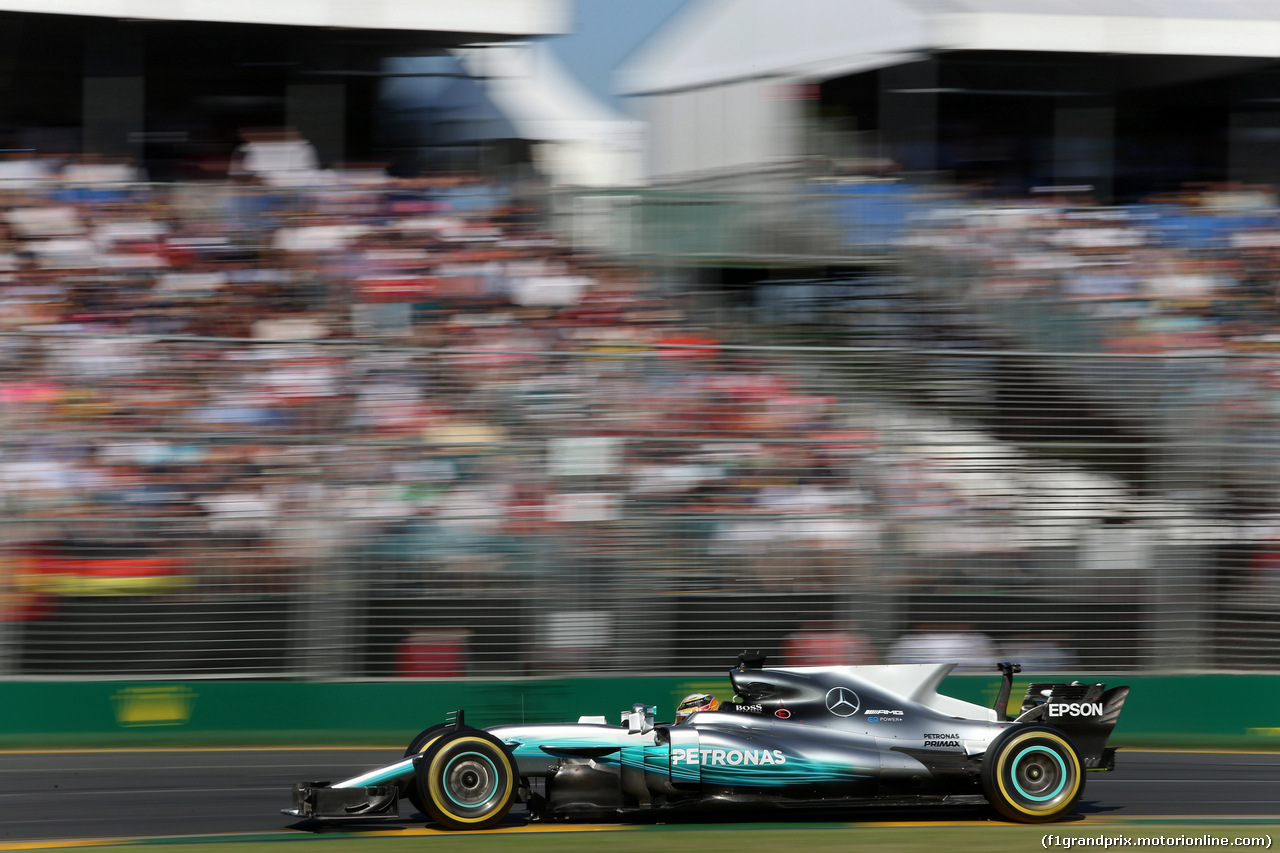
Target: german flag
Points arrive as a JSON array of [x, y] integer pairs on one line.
[[128, 576], [17, 602], [32, 578]]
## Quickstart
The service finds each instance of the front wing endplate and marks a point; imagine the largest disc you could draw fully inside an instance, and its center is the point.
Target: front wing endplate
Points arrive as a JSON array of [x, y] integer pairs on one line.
[[319, 801]]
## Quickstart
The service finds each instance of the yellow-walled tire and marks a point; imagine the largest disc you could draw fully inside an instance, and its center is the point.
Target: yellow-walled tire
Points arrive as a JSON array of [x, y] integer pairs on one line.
[[1032, 774], [418, 745], [466, 780], [425, 738]]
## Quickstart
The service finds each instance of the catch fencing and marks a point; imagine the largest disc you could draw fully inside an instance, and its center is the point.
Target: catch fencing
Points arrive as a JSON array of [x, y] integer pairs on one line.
[[346, 509]]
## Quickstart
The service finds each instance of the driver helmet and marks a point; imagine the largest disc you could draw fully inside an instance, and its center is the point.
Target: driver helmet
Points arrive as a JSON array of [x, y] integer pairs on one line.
[[693, 703]]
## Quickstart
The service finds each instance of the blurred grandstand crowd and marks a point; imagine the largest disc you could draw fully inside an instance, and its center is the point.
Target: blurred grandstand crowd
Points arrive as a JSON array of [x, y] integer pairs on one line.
[[1186, 283], [1192, 272], [257, 377], [253, 378]]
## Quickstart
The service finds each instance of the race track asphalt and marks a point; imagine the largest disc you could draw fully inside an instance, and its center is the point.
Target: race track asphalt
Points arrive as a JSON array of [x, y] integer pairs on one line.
[[130, 794]]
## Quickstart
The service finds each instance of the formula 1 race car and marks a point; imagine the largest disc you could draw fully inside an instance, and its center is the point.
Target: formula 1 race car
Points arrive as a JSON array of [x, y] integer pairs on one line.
[[794, 737]]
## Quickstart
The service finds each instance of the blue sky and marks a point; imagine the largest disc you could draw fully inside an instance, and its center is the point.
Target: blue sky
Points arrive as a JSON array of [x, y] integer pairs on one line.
[[605, 33]]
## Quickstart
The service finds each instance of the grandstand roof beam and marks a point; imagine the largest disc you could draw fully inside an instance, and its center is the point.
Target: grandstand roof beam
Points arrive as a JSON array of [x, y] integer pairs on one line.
[[477, 20]]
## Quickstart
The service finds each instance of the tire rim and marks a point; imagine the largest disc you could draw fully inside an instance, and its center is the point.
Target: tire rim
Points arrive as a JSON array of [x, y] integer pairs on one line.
[[1039, 774], [471, 780]]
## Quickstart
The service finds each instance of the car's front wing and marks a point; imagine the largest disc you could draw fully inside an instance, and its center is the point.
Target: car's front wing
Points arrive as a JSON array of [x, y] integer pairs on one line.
[[316, 800]]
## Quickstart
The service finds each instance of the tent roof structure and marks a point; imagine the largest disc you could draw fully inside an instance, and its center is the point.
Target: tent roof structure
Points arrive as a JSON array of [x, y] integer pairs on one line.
[[712, 42]]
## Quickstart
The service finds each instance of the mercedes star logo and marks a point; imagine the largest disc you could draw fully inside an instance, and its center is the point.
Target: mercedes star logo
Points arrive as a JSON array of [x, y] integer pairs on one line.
[[842, 701]]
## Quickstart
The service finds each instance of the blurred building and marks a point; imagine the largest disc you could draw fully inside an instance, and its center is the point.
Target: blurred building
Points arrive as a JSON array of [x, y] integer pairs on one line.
[[1124, 98], [173, 86]]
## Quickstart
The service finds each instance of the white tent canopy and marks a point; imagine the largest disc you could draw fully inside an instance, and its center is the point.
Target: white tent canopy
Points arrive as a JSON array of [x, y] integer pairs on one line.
[[714, 42], [582, 141], [721, 82]]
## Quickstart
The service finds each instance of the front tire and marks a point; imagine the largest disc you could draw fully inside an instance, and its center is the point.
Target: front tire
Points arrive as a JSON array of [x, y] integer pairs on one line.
[[418, 745], [466, 780], [425, 738], [1032, 774]]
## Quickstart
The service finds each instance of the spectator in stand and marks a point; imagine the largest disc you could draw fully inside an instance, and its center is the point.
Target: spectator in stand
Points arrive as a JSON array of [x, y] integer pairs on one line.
[[278, 157], [958, 643], [820, 644]]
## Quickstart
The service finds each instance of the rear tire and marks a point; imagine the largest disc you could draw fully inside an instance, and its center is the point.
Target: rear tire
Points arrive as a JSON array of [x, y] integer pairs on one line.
[[466, 780], [1032, 774]]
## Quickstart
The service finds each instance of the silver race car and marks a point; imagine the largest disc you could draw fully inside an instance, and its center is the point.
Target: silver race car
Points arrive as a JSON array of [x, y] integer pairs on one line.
[[793, 738]]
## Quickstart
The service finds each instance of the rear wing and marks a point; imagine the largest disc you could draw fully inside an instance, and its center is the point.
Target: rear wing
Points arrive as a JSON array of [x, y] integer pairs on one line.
[[1085, 712]]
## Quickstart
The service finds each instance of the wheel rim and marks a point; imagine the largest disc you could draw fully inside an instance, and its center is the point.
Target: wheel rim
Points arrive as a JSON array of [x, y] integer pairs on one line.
[[1039, 774], [468, 782], [471, 780]]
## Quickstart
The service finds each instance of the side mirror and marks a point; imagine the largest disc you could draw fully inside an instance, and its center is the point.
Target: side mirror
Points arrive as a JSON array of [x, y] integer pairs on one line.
[[640, 719]]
